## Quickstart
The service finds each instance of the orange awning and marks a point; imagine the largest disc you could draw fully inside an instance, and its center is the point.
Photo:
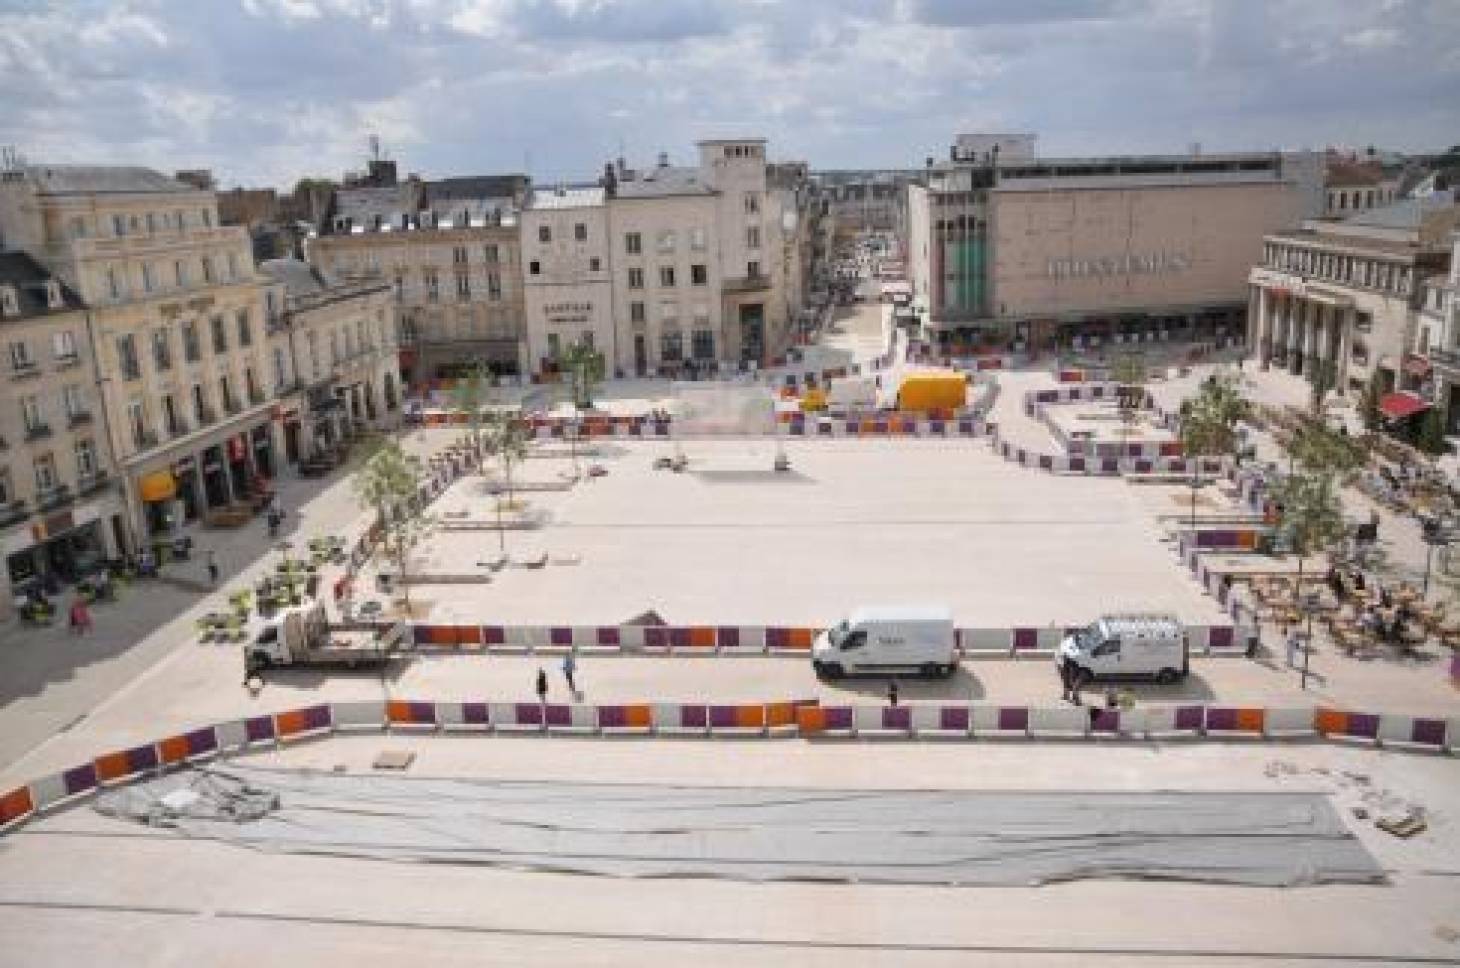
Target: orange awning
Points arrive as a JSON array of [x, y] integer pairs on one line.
[[157, 486]]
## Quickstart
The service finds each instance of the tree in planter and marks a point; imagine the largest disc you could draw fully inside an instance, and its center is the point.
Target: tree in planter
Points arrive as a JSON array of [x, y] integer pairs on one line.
[[1318, 448], [389, 483], [507, 436], [470, 394], [1431, 439], [1128, 373], [1209, 426], [1312, 519], [585, 368]]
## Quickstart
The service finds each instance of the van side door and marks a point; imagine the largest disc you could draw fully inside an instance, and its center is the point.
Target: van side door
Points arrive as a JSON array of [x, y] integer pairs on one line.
[[1106, 657]]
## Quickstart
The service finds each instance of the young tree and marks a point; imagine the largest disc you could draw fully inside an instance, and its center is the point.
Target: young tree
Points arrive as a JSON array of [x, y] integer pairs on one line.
[[1128, 373], [388, 483], [1312, 519], [508, 436], [470, 394], [585, 368], [1431, 439], [1319, 449], [1209, 425]]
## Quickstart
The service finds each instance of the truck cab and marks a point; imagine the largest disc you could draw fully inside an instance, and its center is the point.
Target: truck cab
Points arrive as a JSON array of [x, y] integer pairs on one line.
[[1122, 646], [302, 636]]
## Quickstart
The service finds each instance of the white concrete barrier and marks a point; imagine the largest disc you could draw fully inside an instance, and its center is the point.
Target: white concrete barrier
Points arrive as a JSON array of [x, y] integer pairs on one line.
[[1279, 723], [48, 791], [996, 721], [503, 716], [232, 735], [999, 641], [751, 641], [365, 715], [1059, 721]]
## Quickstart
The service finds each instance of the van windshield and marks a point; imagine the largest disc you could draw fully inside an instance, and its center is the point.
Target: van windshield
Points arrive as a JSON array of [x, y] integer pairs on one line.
[[1088, 637], [837, 633]]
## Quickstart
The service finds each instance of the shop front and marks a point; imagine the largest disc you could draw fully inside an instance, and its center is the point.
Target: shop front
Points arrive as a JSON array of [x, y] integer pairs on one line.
[[56, 550], [263, 450], [158, 493], [215, 477], [235, 449]]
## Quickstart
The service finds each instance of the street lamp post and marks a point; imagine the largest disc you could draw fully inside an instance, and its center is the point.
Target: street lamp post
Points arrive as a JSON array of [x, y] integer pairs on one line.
[[1310, 606]]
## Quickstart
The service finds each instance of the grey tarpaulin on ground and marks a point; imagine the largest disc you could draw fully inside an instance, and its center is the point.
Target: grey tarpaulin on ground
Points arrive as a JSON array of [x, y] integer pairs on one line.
[[762, 834]]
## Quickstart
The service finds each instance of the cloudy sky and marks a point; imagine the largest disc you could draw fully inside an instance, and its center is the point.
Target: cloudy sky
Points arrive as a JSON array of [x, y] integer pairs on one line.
[[264, 91]]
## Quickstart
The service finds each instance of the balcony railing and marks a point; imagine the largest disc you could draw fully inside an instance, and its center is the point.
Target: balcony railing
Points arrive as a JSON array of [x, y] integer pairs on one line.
[[90, 483], [55, 497], [747, 284], [78, 418], [24, 369], [13, 513], [67, 360], [38, 431], [131, 371]]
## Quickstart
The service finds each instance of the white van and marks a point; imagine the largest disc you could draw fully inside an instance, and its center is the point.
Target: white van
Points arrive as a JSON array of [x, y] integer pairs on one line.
[[887, 640], [1129, 645]]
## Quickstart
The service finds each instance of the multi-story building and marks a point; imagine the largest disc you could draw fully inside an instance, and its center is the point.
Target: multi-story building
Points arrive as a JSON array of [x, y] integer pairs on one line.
[[1080, 252], [1351, 187], [176, 320], [567, 289], [1437, 336], [60, 511], [453, 260], [334, 362], [1337, 300], [693, 268]]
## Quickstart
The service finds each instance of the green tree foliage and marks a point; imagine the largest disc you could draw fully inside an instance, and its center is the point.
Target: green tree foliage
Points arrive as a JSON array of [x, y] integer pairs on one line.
[[389, 483], [1431, 438], [585, 368], [1319, 449], [468, 396], [1369, 411], [507, 438]]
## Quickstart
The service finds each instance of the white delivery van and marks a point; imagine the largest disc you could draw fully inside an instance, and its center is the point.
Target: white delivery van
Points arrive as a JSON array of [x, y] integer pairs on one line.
[[1128, 646], [885, 640]]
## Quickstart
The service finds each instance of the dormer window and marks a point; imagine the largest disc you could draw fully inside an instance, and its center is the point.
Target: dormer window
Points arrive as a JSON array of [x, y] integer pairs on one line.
[[53, 294], [9, 302]]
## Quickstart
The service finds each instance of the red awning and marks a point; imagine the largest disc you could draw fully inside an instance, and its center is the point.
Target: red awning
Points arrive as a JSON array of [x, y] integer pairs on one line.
[[1416, 365], [1396, 406]]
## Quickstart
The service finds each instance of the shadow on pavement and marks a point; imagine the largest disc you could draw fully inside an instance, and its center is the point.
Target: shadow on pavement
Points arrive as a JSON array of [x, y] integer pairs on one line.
[[962, 686]]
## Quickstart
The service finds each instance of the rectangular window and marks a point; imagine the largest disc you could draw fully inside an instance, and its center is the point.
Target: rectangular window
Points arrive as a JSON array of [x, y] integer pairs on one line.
[[232, 265], [225, 393], [463, 286], [697, 239], [147, 280], [752, 203], [554, 346], [192, 348], [458, 255], [544, 233], [245, 329], [73, 399], [85, 459], [20, 356], [180, 273], [280, 373], [580, 232], [30, 412], [220, 335], [119, 226], [699, 275], [207, 219], [127, 356], [489, 253], [666, 241], [752, 269], [633, 243], [594, 265], [494, 286], [151, 222], [636, 278], [113, 283], [752, 237], [45, 473], [207, 269], [636, 312], [534, 268], [433, 283], [703, 344], [666, 276], [161, 350], [671, 346]]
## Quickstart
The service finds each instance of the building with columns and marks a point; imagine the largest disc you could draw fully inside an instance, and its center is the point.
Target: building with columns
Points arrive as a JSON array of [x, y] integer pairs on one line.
[[1336, 300], [175, 324]]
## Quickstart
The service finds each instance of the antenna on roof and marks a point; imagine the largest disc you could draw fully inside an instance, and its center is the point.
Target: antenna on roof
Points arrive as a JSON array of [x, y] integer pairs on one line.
[[374, 147]]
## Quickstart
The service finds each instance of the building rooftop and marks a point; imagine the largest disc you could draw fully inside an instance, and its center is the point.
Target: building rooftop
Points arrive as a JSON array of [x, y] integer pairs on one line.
[[1407, 213], [1345, 174], [364, 206], [29, 279], [477, 187], [299, 278], [579, 196], [103, 180], [664, 181]]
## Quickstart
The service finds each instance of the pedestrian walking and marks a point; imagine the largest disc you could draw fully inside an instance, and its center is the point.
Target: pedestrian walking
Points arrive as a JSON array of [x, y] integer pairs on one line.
[[1293, 645], [1066, 683], [212, 566], [80, 616], [570, 666], [892, 692], [542, 686]]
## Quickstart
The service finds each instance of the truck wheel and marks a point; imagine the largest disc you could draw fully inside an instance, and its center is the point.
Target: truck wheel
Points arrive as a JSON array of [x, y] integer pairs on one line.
[[259, 661], [1167, 676], [832, 670]]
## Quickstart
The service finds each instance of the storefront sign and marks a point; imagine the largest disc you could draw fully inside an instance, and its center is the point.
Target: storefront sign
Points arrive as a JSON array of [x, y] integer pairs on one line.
[[568, 312], [1119, 265]]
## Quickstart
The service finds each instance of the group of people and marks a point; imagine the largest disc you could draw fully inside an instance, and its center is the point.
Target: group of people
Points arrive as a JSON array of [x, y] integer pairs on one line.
[[570, 671], [1383, 617]]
